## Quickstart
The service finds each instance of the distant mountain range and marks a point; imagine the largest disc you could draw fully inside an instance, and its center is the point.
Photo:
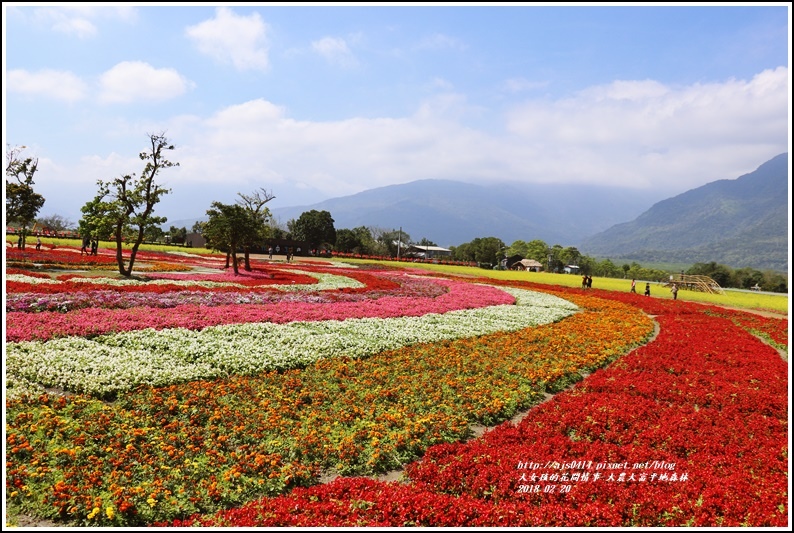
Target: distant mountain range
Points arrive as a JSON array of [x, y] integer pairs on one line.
[[451, 213], [741, 222]]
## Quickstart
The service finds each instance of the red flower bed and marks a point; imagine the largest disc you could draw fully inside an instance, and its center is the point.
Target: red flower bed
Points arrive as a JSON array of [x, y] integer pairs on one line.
[[689, 430]]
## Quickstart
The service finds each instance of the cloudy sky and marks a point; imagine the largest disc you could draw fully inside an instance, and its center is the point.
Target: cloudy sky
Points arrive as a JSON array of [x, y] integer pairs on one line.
[[315, 102]]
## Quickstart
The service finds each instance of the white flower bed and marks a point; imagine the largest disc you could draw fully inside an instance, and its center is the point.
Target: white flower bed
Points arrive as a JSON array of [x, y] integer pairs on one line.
[[118, 362]]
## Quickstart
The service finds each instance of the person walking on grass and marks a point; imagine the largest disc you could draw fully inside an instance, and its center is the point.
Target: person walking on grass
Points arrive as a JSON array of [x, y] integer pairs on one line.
[[674, 290], [647, 289], [633, 286]]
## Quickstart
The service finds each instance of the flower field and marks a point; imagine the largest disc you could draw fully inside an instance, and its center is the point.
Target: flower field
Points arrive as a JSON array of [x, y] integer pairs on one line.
[[188, 396]]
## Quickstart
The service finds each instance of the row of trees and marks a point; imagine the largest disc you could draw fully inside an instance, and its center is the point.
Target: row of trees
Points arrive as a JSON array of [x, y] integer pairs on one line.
[[123, 211]]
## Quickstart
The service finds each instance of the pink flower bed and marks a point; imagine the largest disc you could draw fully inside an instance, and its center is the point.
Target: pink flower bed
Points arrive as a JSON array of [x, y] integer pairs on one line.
[[90, 322]]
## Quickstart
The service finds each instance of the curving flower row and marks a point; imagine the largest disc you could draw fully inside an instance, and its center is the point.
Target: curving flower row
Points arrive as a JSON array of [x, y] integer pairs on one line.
[[167, 452], [205, 429], [688, 430], [108, 364]]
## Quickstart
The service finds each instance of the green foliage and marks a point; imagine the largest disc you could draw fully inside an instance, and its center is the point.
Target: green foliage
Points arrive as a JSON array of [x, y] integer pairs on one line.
[[124, 206], [314, 227], [485, 251], [22, 202], [177, 235], [228, 228], [347, 241]]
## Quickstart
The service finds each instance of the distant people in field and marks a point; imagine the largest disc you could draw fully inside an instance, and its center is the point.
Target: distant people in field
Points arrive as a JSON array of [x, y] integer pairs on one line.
[[86, 244], [38, 242], [648, 289], [674, 290]]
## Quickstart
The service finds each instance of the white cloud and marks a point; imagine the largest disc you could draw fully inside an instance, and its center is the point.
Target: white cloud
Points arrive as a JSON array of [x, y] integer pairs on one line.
[[440, 41], [133, 81], [335, 51], [631, 134], [53, 84], [642, 133], [232, 39], [80, 19], [517, 85]]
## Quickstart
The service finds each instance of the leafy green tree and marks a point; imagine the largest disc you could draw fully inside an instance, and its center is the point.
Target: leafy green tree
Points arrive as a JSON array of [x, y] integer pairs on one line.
[[22, 202], [347, 241], [259, 218], [227, 228], [539, 251], [746, 278], [587, 265], [719, 273], [177, 235], [368, 244], [483, 250], [125, 205], [154, 234], [571, 256], [198, 227], [556, 263], [314, 227], [392, 243], [608, 269], [518, 248]]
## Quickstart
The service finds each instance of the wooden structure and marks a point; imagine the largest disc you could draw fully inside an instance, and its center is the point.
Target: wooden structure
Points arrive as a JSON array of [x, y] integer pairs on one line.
[[695, 283], [527, 264]]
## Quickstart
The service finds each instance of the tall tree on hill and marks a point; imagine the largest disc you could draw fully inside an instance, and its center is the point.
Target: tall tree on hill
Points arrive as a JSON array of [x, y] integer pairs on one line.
[[260, 216], [22, 202], [124, 206]]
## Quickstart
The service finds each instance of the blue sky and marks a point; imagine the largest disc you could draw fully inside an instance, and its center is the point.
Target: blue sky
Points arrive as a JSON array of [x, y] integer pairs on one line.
[[314, 102]]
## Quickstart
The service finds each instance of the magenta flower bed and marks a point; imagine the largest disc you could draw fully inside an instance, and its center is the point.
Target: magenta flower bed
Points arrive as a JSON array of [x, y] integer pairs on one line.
[[89, 322]]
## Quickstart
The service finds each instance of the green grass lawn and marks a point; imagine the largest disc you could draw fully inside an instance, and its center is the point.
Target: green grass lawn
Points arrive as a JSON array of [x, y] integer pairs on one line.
[[778, 303]]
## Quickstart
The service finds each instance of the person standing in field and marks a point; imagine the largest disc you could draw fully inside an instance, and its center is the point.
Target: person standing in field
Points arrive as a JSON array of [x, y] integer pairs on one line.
[[647, 289], [674, 290], [634, 285]]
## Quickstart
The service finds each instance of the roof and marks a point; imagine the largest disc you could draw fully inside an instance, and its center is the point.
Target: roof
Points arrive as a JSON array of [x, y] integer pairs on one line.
[[428, 248], [531, 263]]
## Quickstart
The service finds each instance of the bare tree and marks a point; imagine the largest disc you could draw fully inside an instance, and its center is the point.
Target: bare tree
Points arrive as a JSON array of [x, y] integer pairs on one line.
[[254, 204]]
